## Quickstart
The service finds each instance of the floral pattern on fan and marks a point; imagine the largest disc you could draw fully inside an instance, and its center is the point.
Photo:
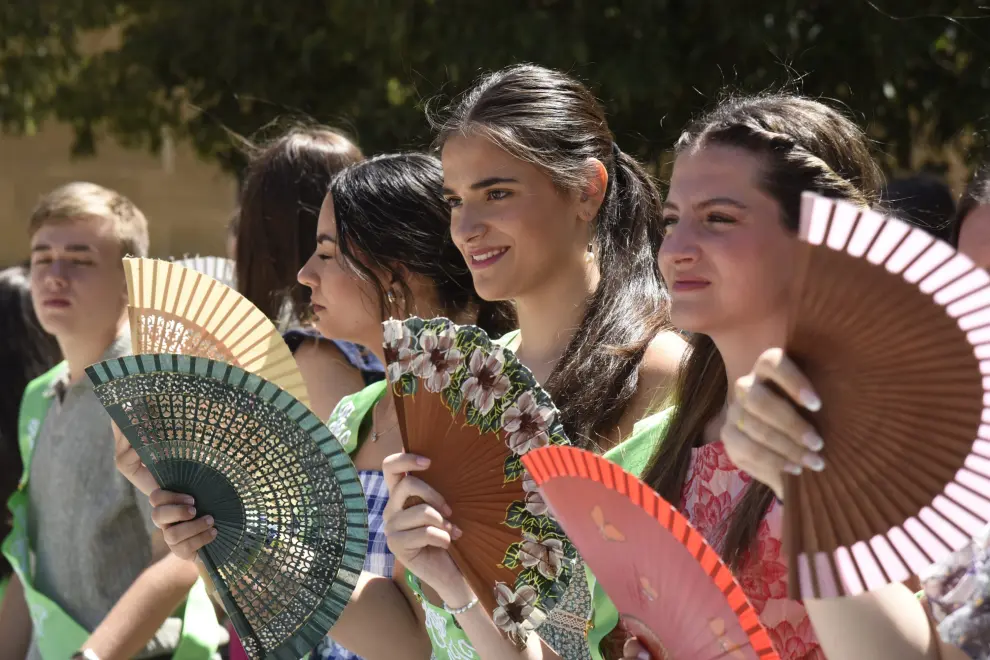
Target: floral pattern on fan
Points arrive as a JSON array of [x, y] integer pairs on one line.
[[496, 394]]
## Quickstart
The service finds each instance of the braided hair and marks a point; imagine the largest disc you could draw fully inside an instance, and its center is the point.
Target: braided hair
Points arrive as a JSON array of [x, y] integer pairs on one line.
[[804, 145]]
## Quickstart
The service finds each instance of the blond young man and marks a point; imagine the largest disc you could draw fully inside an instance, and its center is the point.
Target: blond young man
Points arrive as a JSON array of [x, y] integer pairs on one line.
[[94, 577]]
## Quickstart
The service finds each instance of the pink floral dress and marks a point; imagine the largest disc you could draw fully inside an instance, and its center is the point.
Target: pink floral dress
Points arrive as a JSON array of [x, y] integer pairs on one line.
[[713, 488]]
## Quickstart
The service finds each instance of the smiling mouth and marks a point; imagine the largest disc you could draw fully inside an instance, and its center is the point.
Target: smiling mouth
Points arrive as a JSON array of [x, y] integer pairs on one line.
[[487, 258]]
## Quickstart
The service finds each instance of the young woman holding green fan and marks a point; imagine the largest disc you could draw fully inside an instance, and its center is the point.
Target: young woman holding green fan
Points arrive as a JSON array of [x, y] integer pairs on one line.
[[383, 250]]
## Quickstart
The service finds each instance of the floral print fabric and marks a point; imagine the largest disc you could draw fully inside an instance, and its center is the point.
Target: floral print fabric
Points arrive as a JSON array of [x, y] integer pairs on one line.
[[958, 591], [713, 487]]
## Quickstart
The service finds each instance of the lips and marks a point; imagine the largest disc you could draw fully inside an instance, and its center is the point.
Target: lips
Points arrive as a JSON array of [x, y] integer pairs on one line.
[[484, 258], [686, 284], [56, 303]]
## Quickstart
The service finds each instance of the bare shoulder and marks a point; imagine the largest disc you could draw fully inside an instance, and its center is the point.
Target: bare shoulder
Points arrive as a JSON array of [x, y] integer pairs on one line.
[[662, 360], [328, 375]]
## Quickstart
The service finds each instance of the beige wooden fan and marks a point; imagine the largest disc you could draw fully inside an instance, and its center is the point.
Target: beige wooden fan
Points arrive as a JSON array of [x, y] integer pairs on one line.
[[174, 309]]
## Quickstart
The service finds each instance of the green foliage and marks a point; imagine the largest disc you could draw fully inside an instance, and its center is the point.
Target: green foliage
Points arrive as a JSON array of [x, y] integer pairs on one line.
[[206, 69]]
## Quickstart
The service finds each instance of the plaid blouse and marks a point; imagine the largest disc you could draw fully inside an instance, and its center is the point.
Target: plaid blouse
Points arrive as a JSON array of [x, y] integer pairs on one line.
[[379, 560]]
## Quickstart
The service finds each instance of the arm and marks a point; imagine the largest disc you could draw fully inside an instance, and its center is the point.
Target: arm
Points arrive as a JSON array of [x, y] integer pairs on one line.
[[889, 623], [144, 607], [15, 622], [420, 536], [375, 599], [329, 377]]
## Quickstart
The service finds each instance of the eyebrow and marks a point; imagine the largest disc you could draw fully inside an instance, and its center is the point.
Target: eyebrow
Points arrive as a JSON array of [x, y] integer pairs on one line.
[[484, 183], [714, 201], [72, 247], [325, 238]]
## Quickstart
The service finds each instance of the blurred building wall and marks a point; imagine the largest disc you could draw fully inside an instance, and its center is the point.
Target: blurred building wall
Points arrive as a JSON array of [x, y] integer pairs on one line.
[[188, 201]]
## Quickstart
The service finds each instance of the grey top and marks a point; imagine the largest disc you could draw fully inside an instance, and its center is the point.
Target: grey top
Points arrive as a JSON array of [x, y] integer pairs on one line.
[[90, 529]]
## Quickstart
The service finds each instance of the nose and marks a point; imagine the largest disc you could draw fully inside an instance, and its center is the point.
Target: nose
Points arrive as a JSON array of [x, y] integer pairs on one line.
[[466, 226], [307, 274], [679, 247], [57, 274]]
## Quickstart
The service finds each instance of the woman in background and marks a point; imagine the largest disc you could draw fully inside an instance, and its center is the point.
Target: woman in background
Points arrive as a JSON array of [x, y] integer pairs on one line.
[[26, 352], [280, 202]]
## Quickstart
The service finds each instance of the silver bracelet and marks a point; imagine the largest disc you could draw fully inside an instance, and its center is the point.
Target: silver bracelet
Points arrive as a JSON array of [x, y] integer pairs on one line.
[[460, 610]]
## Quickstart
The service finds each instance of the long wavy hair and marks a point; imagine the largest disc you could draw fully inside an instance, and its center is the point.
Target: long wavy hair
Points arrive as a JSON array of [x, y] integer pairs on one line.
[[551, 120], [804, 145]]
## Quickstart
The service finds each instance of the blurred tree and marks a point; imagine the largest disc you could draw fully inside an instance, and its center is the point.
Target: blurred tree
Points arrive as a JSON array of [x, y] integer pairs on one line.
[[210, 68]]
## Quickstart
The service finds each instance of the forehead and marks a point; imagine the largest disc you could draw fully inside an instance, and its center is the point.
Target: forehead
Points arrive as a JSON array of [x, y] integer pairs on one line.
[[711, 170], [92, 232], [469, 158]]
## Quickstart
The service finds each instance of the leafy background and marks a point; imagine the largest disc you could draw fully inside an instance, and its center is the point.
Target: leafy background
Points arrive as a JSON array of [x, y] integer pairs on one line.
[[917, 73]]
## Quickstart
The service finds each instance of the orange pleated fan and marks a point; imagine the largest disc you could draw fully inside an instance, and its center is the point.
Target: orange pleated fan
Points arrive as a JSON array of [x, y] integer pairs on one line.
[[176, 309], [892, 327], [472, 408], [670, 587]]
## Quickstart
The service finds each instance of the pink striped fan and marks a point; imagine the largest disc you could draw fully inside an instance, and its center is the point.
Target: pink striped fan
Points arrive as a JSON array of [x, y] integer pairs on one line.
[[893, 328]]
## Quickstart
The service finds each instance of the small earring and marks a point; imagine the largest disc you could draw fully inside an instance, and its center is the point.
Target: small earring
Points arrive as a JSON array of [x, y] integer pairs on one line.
[[589, 256], [391, 304]]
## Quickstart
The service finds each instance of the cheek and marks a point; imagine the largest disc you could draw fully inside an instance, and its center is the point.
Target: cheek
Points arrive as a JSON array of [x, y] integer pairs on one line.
[[974, 237]]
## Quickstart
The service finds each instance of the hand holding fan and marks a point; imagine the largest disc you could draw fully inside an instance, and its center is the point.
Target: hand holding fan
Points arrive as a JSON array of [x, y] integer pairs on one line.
[[286, 500], [175, 309], [474, 410], [670, 587], [890, 325]]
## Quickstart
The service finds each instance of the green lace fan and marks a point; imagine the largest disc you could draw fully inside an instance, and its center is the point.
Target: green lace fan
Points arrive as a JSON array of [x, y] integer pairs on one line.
[[287, 503]]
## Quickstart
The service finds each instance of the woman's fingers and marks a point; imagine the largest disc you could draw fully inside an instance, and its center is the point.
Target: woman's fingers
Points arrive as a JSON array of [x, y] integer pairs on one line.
[[397, 465], [170, 514], [185, 539], [764, 404], [633, 650], [762, 463], [410, 487], [421, 515], [411, 541], [797, 454], [774, 365], [162, 497]]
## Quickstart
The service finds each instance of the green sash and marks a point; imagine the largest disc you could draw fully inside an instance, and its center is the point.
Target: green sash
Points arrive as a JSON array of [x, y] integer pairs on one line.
[[58, 636]]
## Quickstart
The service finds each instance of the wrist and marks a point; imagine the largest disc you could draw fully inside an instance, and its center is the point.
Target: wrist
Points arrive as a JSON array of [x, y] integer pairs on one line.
[[458, 596]]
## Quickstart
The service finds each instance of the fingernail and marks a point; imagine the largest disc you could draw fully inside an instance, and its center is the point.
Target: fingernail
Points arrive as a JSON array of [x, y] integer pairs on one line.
[[813, 462], [456, 533], [213, 532], [792, 468], [644, 655], [810, 401], [188, 500], [422, 461], [447, 511], [209, 520], [812, 441], [191, 510]]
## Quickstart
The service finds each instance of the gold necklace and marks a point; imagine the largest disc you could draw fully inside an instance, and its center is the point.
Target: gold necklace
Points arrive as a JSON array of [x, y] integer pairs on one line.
[[374, 425]]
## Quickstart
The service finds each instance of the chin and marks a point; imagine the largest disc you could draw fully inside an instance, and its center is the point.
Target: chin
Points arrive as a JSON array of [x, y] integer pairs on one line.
[[493, 290], [696, 321]]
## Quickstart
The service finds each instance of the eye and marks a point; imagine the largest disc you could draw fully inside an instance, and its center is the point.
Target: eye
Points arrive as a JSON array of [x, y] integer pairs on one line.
[[719, 218], [667, 223], [495, 195], [453, 202], [82, 262]]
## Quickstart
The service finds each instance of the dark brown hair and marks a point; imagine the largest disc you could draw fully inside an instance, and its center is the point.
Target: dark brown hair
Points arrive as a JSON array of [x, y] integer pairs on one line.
[[391, 217], [284, 187], [805, 145], [977, 194], [27, 351], [551, 120]]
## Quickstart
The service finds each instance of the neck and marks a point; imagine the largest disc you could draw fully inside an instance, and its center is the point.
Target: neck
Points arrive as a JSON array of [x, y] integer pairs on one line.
[[741, 347], [81, 351], [549, 317]]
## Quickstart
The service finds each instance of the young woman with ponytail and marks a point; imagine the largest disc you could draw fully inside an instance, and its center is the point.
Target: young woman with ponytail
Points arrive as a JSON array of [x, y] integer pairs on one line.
[[549, 213]]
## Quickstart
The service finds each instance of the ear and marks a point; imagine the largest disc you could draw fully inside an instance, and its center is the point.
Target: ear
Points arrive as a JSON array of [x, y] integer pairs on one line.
[[593, 191]]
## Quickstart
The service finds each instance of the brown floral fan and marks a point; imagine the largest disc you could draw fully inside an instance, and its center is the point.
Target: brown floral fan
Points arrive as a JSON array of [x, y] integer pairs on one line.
[[175, 309], [474, 410], [890, 325]]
